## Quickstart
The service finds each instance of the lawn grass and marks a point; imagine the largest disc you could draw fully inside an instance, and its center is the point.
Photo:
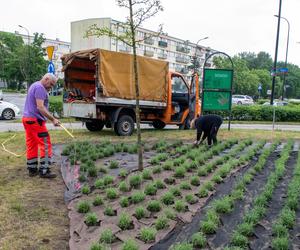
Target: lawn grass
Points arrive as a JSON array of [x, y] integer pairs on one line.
[[32, 211]]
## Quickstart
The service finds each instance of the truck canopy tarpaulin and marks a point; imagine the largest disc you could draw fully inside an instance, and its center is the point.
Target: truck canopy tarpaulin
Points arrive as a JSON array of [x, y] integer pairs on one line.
[[115, 72]]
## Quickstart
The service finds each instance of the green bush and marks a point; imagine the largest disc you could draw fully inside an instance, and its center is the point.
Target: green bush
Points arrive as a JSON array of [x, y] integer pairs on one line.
[[91, 219], [56, 104], [290, 113], [130, 244], [107, 236], [148, 234], [125, 221]]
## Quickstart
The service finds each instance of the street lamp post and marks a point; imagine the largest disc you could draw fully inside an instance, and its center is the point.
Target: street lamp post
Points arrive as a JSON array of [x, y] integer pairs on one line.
[[276, 52], [286, 54], [28, 53], [195, 55]]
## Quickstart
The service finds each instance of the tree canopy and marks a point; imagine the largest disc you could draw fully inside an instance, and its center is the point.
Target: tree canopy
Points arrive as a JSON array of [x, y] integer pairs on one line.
[[252, 69], [21, 62]]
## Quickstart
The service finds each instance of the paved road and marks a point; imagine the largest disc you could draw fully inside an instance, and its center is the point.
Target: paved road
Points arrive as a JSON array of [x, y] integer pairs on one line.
[[11, 126]]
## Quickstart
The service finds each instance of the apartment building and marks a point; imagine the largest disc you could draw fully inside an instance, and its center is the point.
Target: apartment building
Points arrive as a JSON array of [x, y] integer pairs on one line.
[[178, 52]]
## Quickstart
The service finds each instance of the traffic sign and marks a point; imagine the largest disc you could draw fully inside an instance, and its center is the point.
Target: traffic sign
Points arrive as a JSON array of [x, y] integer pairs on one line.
[[50, 50], [51, 68], [217, 79], [216, 100]]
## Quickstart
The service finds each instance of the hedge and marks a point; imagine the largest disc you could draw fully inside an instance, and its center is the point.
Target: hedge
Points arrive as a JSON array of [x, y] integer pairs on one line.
[[262, 113], [56, 104]]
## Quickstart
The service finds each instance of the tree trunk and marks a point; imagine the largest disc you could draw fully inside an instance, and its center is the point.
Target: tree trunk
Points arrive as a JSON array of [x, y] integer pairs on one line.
[[137, 92]]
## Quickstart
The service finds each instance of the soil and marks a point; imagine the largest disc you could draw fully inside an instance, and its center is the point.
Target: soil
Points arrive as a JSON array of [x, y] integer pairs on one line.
[[263, 231], [184, 231]]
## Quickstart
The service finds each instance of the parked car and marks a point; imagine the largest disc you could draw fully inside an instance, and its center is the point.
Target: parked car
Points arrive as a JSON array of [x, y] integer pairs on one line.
[[277, 103], [242, 100], [8, 110]]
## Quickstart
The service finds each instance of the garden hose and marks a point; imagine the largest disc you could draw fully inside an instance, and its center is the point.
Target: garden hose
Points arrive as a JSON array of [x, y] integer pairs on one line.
[[8, 151], [67, 131]]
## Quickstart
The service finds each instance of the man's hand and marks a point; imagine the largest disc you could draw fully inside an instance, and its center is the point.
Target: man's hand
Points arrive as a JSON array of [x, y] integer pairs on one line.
[[56, 122]]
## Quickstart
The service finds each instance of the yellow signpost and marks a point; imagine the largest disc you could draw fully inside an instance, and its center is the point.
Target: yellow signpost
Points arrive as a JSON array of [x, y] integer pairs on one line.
[[50, 50]]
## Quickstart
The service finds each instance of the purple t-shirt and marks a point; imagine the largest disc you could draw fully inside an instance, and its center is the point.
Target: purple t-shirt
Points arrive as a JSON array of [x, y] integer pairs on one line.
[[36, 91]]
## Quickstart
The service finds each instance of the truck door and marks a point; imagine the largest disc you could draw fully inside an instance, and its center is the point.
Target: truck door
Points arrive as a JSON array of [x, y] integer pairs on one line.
[[180, 97], [194, 97]]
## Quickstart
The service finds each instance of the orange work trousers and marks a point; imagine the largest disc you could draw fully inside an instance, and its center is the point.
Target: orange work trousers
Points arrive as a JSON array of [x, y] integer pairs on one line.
[[37, 138]]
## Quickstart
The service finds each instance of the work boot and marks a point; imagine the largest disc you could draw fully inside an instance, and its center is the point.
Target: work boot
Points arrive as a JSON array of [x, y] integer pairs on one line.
[[33, 172], [46, 173]]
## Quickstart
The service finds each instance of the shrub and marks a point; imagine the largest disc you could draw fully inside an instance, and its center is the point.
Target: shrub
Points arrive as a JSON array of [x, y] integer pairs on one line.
[[168, 165], [217, 178], [140, 212], [239, 240], [150, 189], [85, 189], [288, 217], [123, 186], [191, 199], [180, 172], [161, 223], [91, 219], [279, 230], [107, 236], [108, 179], [182, 246], [111, 193], [102, 169], [179, 206], [83, 207], [198, 240], [185, 185], [175, 191], [113, 164], [109, 211], [92, 172], [280, 243], [148, 234], [246, 229], [99, 184], [159, 184], [137, 197], [130, 244], [169, 180], [168, 198], [209, 227], [97, 246], [203, 192], [125, 221], [124, 202], [123, 173], [146, 174], [195, 181], [135, 181], [223, 205], [82, 178], [154, 206], [157, 170], [169, 213], [98, 201]]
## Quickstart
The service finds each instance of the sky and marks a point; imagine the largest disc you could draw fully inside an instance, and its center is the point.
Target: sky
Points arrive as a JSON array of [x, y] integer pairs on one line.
[[233, 26]]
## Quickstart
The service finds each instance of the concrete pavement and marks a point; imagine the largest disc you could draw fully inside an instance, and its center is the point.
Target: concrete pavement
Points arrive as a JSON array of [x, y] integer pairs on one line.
[[13, 126]]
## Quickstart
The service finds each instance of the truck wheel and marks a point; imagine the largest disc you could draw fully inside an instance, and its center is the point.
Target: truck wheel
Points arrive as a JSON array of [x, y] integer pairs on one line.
[[124, 126], [158, 124], [94, 125]]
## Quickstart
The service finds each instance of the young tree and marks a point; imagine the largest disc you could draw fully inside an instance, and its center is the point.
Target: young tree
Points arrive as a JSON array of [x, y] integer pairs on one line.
[[139, 11]]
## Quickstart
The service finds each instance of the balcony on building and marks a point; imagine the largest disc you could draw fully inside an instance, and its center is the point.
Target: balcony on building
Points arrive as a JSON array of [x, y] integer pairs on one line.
[[182, 49], [149, 41], [162, 44], [181, 59], [125, 49], [149, 53], [162, 55]]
